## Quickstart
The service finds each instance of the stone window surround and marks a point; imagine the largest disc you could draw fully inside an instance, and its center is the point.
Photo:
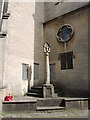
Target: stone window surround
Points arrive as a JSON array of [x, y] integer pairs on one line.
[[73, 56], [24, 71], [36, 75]]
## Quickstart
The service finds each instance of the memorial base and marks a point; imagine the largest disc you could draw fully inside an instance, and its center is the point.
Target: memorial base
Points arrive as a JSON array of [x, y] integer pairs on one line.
[[48, 91]]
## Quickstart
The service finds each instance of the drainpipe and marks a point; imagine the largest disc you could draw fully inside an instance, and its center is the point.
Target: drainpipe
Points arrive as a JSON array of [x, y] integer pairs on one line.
[[1, 15], [1, 79]]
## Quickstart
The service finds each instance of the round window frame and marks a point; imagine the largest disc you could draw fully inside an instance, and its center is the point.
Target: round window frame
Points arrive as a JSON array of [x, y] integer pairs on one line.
[[60, 38]]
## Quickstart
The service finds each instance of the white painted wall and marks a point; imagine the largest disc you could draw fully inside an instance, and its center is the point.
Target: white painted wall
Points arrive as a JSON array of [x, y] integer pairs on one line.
[[19, 46]]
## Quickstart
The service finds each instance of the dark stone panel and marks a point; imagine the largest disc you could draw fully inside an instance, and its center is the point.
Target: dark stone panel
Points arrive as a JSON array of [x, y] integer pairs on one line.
[[15, 107], [51, 102], [77, 104]]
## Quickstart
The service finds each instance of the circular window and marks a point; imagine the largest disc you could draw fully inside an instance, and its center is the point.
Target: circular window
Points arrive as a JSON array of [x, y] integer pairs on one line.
[[65, 33]]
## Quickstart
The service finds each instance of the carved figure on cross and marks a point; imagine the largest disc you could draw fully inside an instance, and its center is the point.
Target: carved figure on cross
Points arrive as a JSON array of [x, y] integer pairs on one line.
[[46, 47]]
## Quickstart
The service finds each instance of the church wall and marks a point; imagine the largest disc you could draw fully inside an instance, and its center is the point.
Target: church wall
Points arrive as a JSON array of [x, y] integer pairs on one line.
[[72, 81], [39, 57], [26, 35], [52, 11]]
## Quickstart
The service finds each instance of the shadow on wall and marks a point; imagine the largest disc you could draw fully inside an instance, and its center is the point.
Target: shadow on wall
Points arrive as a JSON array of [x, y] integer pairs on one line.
[[65, 92], [39, 59]]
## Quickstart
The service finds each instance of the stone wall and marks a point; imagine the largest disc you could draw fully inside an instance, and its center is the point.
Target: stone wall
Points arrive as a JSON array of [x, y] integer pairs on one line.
[[2, 48], [25, 39], [38, 42], [24, 44], [52, 11], [73, 81], [19, 46]]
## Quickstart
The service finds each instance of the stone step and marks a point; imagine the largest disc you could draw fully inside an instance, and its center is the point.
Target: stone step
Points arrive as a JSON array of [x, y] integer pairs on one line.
[[34, 94], [49, 108], [25, 104], [37, 88], [19, 106], [36, 91], [79, 103], [46, 102], [56, 95]]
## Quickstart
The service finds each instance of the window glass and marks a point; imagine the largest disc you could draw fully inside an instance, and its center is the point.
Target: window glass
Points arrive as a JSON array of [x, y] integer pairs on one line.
[[63, 61], [25, 71], [67, 60], [36, 71], [65, 33]]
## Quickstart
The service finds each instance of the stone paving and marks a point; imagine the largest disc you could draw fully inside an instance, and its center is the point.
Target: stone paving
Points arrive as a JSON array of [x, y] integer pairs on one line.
[[68, 113]]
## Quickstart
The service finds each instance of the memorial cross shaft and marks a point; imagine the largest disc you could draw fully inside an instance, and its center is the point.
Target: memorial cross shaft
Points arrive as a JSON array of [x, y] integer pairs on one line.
[[47, 52]]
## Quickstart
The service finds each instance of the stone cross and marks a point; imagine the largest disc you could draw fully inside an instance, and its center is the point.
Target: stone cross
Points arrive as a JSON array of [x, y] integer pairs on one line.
[[46, 47]]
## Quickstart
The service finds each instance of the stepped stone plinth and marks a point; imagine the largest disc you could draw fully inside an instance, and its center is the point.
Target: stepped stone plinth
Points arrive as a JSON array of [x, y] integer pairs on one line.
[[48, 89]]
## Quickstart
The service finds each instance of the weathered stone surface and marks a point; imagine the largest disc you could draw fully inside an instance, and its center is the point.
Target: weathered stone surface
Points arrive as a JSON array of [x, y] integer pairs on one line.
[[47, 102], [75, 79], [25, 39], [22, 45], [19, 106], [48, 91], [53, 11]]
